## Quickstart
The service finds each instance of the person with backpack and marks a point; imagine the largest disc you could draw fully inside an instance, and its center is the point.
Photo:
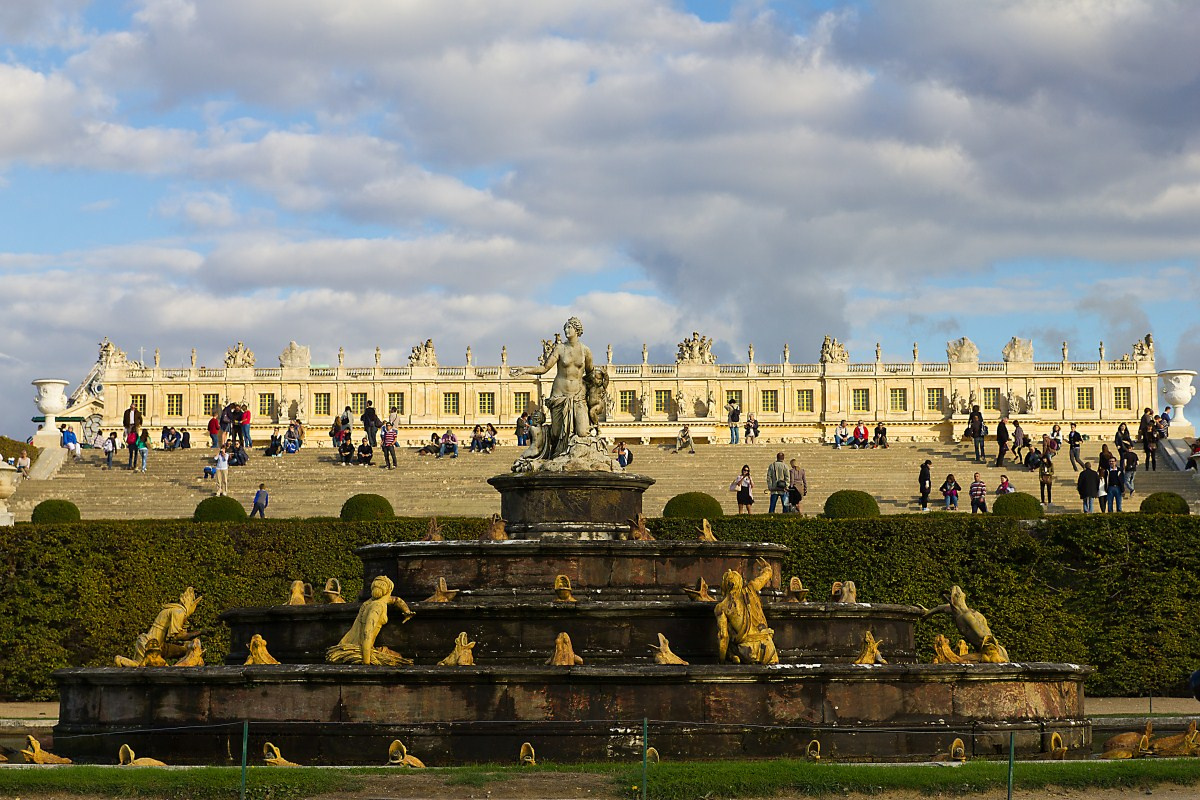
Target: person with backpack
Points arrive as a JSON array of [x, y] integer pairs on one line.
[[778, 479], [109, 446], [735, 420], [1114, 488], [371, 422], [1129, 462], [976, 430], [624, 455]]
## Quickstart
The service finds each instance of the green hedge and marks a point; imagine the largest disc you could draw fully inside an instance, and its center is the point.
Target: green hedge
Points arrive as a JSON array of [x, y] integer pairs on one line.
[[1117, 591], [1165, 503]]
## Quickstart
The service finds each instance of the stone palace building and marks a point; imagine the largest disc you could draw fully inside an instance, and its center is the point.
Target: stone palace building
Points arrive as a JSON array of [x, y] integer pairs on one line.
[[918, 400]]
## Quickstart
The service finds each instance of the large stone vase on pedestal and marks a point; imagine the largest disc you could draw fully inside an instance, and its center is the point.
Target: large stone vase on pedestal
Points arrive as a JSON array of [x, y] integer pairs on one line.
[[51, 400], [1178, 391], [8, 485]]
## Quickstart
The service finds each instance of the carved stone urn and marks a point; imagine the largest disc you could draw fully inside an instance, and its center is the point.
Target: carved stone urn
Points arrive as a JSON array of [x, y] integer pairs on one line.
[[1178, 391], [51, 400], [8, 485]]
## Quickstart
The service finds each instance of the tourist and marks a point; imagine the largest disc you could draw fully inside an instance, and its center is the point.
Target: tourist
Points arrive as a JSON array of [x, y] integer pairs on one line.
[[449, 444], [735, 419], [880, 438], [394, 417], [1114, 487], [261, 499], [491, 437], [143, 448], [214, 431], [236, 414], [1034, 457], [23, 463], [624, 455], [131, 440], [522, 429], [109, 448], [226, 423], [476, 439], [365, 453], [751, 429], [275, 448], [1144, 423], [1074, 443], [246, 441], [344, 430], [173, 440], [1191, 462], [370, 421], [433, 448], [1056, 439], [1129, 462], [684, 439], [744, 486], [1166, 419], [1150, 446], [132, 418], [1005, 487], [1046, 480], [388, 438], [976, 430], [1019, 441], [185, 440], [841, 435], [292, 440], [859, 441], [1122, 439], [1106, 458], [346, 451], [239, 456], [925, 484], [798, 486], [778, 480], [950, 490], [70, 442], [1001, 441], [222, 471], [978, 493], [1088, 486]]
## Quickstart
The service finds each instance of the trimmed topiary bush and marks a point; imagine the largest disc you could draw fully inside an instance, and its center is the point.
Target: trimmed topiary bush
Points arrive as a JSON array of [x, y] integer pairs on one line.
[[1018, 504], [218, 509], [693, 505], [50, 511], [362, 507], [850, 503], [1165, 503]]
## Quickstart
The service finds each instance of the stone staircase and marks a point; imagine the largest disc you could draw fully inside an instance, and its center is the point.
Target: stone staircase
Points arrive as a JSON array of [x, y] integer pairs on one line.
[[310, 483]]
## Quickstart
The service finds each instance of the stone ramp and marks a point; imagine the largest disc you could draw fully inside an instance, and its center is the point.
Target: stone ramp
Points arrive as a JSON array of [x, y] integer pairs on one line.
[[310, 483]]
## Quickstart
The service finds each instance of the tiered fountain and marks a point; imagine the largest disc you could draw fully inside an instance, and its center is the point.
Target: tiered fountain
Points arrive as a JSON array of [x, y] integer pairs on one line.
[[641, 642]]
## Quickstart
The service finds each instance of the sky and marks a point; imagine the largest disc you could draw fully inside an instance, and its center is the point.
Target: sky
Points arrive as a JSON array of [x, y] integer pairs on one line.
[[362, 173]]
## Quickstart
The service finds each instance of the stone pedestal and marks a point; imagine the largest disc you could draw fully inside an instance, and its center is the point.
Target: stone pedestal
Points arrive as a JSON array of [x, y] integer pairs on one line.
[[569, 505]]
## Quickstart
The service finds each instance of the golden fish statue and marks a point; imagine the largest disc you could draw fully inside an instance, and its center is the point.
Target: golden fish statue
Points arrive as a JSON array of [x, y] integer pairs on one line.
[[638, 531], [126, 758], [258, 651], [564, 653], [1058, 750], [958, 752], [562, 589], [195, 655], [463, 654], [795, 592], [274, 758], [527, 758], [441, 593], [706, 532], [300, 594], [333, 591], [398, 756], [652, 756], [662, 652], [843, 592], [701, 593], [1183, 744], [1128, 741], [1140, 750], [813, 751], [495, 530], [34, 754]]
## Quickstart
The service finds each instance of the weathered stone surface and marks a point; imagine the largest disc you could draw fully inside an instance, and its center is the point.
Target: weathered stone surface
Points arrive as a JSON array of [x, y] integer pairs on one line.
[[570, 504]]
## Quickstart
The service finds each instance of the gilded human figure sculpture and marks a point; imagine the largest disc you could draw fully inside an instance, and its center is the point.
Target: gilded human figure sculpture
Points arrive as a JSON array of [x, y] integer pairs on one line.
[[358, 645], [167, 636], [972, 625], [743, 636]]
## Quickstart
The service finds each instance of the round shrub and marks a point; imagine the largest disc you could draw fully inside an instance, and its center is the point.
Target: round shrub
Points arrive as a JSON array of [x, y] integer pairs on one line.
[[366, 507], [218, 509], [1018, 504], [50, 511], [693, 505], [1165, 503], [850, 503]]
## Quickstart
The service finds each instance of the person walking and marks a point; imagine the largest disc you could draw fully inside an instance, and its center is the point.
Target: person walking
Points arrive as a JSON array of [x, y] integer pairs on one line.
[[744, 486], [1074, 442], [371, 423], [978, 492], [1088, 485], [1114, 488], [798, 486], [1018, 440], [1129, 463], [925, 484], [950, 490], [109, 447], [261, 499], [1001, 441], [735, 419], [222, 471], [132, 418], [778, 479], [1150, 447], [389, 436], [143, 448], [1046, 480], [131, 440], [976, 430]]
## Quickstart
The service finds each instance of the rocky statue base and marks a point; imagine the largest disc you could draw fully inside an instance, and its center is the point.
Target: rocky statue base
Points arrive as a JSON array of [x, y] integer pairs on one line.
[[570, 505]]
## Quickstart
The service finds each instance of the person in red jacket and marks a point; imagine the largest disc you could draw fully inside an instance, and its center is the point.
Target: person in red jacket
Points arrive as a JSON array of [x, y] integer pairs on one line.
[[214, 431]]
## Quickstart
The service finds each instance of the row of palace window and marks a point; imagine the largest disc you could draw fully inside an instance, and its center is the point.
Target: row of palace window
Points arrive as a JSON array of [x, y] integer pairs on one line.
[[860, 400]]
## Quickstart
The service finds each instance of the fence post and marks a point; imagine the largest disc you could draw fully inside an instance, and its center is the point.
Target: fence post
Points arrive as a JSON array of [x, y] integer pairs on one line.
[[645, 749], [1012, 754], [245, 747]]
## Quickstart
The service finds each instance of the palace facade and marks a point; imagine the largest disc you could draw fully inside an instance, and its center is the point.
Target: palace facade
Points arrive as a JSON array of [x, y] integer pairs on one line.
[[918, 400]]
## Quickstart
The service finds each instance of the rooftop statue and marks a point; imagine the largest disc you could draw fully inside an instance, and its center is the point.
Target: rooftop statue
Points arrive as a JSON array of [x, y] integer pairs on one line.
[[240, 356], [696, 350], [1144, 350], [962, 351], [833, 352], [1018, 350], [423, 355], [571, 441], [295, 355], [743, 636], [110, 354]]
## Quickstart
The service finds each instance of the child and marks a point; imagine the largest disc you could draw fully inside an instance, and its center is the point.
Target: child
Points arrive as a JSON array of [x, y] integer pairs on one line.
[[260, 502]]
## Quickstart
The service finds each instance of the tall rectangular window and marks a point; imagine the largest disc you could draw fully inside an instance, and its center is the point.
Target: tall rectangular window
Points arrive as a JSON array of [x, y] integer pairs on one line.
[[662, 401], [733, 396], [1048, 398], [1085, 398], [487, 403], [358, 402], [1122, 398], [935, 399], [991, 399], [804, 400], [897, 399], [450, 403], [521, 402], [139, 402], [860, 399], [321, 404], [266, 405], [174, 405], [212, 404], [770, 401], [396, 401], [627, 398]]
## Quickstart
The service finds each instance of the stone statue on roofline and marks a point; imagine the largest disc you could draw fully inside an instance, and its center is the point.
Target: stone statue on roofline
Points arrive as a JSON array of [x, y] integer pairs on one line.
[[833, 352], [1018, 350], [570, 441], [696, 350], [1144, 350], [962, 351], [240, 356], [423, 355], [295, 356]]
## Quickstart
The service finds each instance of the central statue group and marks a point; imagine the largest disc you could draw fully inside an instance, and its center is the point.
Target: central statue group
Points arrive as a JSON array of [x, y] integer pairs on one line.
[[570, 441]]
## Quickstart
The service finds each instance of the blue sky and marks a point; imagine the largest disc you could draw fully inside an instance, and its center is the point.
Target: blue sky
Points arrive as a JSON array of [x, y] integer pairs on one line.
[[178, 174]]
